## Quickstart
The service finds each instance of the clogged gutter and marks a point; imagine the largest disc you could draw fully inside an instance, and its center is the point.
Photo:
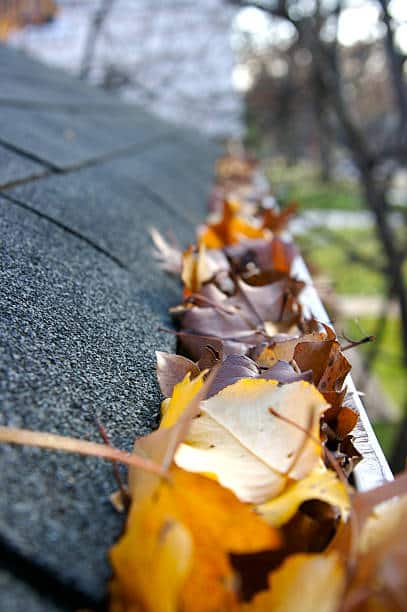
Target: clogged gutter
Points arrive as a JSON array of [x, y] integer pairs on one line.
[[240, 500]]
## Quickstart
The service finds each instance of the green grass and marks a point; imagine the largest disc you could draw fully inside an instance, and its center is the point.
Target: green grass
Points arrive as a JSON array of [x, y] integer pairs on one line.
[[349, 278], [325, 255], [388, 367], [302, 184], [386, 434]]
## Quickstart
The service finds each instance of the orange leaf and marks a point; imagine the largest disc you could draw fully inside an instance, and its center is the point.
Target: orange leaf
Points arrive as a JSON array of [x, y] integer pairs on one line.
[[175, 552], [229, 229]]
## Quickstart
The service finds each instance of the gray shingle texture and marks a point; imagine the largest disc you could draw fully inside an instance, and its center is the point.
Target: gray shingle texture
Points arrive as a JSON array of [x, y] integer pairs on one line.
[[80, 305]]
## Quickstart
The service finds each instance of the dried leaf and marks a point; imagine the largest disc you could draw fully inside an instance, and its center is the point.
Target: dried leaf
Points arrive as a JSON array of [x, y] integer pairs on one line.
[[172, 369], [175, 551], [168, 257], [321, 484], [183, 394], [232, 369], [282, 255], [276, 220], [304, 582], [196, 269], [284, 373], [247, 448], [229, 229], [235, 367], [380, 579]]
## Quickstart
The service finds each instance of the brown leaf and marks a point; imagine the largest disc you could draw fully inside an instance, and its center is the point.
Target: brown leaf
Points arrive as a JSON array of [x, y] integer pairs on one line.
[[284, 373], [233, 368], [313, 356], [171, 369], [276, 220], [282, 254]]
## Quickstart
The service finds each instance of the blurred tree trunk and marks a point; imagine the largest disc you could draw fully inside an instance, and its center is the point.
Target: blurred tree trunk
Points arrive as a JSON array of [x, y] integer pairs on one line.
[[324, 132], [94, 31], [376, 164]]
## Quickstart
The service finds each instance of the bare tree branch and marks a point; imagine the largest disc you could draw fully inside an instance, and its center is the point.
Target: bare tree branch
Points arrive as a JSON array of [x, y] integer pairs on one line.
[[93, 34]]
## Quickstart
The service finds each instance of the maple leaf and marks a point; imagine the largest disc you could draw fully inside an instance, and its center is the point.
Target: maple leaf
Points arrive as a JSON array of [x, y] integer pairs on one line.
[[276, 220], [247, 447], [229, 229]]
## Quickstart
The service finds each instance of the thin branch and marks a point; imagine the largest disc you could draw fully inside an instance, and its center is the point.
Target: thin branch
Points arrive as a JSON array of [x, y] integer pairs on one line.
[[95, 28]]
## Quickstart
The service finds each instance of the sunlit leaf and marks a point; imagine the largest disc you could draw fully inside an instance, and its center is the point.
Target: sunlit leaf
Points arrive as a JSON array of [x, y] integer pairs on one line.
[[306, 583], [248, 448], [321, 484], [175, 550], [183, 394]]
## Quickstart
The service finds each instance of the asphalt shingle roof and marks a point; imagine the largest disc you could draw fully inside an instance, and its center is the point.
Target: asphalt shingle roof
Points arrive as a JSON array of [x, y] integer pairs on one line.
[[82, 179]]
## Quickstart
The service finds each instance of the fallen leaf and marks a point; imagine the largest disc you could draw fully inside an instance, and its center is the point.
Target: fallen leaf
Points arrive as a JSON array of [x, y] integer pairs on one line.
[[248, 449], [284, 373], [282, 255], [183, 394], [232, 369], [276, 220], [172, 369], [168, 256], [235, 367], [379, 581], [321, 484], [196, 269], [175, 551], [303, 583], [229, 229]]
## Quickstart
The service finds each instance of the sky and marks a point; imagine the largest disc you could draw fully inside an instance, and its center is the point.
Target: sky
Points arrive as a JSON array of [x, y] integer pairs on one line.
[[358, 22]]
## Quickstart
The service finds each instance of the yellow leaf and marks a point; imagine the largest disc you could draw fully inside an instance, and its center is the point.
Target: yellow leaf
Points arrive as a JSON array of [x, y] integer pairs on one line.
[[175, 551], [250, 449], [195, 269], [183, 394], [383, 523], [303, 583], [321, 484], [230, 228], [152, 559]]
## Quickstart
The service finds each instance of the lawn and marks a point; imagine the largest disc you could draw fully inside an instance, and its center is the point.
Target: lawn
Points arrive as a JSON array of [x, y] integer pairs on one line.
[[326, 252], [334, 254], [302, 184], [388, 367]]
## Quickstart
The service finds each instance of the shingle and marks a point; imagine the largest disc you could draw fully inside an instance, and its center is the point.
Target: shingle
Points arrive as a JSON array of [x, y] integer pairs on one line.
[[78, 339], [14, 167]]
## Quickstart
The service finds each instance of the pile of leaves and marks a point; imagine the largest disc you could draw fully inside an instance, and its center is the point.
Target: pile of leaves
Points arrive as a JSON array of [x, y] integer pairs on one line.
[[257, 513], [241, 500]]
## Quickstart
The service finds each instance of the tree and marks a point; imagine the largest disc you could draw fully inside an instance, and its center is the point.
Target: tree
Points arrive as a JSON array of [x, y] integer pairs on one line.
[[377, 155]]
